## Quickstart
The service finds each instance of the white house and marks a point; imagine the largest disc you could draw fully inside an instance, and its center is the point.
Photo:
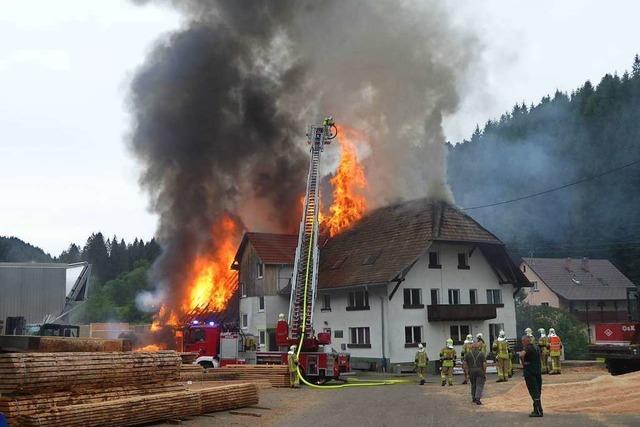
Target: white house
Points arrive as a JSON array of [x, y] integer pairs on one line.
[[420, 271]]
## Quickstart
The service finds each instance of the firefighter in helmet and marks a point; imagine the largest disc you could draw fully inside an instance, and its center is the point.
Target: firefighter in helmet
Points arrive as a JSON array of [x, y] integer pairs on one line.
[[501, 351], [543, 344], [292, 360], [555, 350], [421, 361], [448, 360], [483, 345], [466, 348]]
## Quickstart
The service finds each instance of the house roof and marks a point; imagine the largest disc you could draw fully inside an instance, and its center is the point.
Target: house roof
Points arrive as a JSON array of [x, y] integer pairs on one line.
[[387, 242], [271, 248], [574, 279]]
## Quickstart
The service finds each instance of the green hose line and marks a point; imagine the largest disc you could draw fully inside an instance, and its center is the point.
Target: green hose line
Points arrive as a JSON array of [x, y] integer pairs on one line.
[[304, 321]]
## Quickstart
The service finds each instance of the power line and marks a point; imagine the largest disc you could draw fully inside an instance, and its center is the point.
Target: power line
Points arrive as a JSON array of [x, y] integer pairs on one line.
[[551, 190]]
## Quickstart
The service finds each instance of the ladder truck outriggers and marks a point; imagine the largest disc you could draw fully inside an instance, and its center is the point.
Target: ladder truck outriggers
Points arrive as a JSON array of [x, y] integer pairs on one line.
[[317, 360]]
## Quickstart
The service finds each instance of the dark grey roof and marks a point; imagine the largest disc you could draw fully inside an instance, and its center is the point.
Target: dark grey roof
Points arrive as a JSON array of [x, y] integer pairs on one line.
[[575, 279]]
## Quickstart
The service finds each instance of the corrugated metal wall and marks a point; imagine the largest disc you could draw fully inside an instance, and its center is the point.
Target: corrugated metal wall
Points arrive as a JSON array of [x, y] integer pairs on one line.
[[31, 290]]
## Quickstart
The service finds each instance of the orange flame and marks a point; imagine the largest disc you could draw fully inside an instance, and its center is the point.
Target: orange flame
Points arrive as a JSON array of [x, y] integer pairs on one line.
[[211, 282], [349, 182]]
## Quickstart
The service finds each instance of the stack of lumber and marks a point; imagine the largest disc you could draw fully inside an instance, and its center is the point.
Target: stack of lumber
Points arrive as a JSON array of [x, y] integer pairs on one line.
[[277, 375], [191, 372], [261, 384], [223, 398], [21, 405], [28, 372], [129, 411], [21, 343]]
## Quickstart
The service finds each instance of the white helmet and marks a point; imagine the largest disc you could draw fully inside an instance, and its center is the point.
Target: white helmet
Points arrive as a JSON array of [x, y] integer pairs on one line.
[[541, 330], [469, 337], [528, 331], [501, 334], [292, 348], [479, 336], [449, 343], [281, 316], [552, 331], [420, 346]]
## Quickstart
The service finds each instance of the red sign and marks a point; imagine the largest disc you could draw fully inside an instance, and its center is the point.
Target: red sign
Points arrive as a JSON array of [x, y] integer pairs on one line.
[[609, 333]]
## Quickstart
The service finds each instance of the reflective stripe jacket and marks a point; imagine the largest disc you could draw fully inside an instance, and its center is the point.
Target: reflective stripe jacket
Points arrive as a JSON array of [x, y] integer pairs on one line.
[[555, 346], [292, 359], [448, 356], [501, 348], [421, 359]]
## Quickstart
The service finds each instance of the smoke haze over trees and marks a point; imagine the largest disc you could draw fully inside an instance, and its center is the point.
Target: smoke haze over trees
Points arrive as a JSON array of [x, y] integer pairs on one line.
[[561, 139]]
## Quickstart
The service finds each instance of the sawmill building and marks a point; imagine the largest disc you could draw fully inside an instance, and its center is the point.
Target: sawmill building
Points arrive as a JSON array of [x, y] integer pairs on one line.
[[420, 271]]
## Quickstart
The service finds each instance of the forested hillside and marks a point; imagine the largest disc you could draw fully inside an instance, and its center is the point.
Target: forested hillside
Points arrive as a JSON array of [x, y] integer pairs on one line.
[[563, 139], [13, 249]]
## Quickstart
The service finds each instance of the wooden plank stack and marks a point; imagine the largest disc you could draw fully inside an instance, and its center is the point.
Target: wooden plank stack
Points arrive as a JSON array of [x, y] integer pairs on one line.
[[28, 372], [111, 389], [188, 357], [223, 398], [277, 375], [191, 372]]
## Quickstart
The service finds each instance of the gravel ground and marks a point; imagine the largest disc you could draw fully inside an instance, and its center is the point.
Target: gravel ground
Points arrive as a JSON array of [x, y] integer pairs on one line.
[[402, 405]]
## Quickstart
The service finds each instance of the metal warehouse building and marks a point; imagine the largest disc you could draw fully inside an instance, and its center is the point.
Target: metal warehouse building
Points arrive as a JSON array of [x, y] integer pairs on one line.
[[39, 292]]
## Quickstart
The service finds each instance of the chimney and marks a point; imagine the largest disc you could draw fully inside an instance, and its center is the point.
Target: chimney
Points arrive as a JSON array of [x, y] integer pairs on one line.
[[585, 264], [567, 264]]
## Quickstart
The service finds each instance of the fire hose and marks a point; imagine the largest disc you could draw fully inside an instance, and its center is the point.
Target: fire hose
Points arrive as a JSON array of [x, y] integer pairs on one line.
[[299, 349]]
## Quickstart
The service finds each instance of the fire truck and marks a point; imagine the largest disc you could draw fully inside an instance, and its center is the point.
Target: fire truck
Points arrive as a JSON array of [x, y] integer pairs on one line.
[[619, 343], [215, 346], [316, 359]]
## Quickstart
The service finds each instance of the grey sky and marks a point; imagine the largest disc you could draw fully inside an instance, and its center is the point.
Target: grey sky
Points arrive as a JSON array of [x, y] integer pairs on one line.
[[65, 68]]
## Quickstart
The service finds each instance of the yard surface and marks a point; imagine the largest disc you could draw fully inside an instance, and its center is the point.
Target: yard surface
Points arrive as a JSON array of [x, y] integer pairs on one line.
[[413, 405]]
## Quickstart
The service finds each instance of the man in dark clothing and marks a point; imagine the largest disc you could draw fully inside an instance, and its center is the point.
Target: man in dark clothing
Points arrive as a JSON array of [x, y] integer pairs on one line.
[[532, 372], [476, 365]]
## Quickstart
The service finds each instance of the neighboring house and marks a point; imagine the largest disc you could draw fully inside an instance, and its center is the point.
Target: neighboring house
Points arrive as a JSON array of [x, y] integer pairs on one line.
[[265, 265], [594, 290], [420, 271]]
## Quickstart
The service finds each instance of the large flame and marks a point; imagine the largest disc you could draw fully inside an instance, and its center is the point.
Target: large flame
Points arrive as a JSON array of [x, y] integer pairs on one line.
[[211, 282], [349, 182]]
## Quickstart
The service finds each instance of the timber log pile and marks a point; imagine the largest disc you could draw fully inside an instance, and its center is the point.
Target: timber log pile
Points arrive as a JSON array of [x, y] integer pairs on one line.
[[277, 375], [191, 372], [25, 372], [188, 357], [106, 389]]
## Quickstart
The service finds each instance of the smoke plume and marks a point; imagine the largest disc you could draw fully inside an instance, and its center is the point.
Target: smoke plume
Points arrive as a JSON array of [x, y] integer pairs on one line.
[[221, 105]]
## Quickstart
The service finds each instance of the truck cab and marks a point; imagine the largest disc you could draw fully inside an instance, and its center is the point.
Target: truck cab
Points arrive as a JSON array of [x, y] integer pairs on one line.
[[214, 346]]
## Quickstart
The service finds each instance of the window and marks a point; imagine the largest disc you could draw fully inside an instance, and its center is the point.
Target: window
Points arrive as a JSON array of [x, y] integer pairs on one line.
[[454, 296], [473, 296], [326, 302], [413, 298], [262, 337], [336, 265], [260, 270], [260, 303], [371, 259], [434, 260], [535, 286], [244, 320], [494, 296], [243, 289], [412, 336], [435, 296], [338, 333], [544, 304], [359, 338], [459, 333], [524, 268], [358, 300], [463, 261]]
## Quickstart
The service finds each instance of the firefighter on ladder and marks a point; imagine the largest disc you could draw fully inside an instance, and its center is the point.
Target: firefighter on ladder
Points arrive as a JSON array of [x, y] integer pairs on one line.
[[466, 348], [502, 356], [448, 359], [543, 343], [292, 360], [555, 350], [421, 362]]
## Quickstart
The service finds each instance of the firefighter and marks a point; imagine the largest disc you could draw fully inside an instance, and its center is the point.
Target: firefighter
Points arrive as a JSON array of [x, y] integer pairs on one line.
[[555, 350], [543, 343], [448, 360], [328, 121], [421, 363], [292, 359], [501, 351], [529, 332], [466, 348], [483, 345]]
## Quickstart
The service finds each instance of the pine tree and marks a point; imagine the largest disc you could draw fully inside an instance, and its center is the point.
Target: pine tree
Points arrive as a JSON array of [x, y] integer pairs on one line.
[[95, 252], [635, 69]]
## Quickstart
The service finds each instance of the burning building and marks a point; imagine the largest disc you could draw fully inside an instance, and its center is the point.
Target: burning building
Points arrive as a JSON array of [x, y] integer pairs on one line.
[[412, 272]]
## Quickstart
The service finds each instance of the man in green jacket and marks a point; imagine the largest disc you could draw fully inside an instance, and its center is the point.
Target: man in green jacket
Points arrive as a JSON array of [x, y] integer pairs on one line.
[[421, 362]]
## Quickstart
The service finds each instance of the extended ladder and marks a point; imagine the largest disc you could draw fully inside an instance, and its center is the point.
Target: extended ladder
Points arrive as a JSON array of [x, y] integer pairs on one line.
[[305, 273]]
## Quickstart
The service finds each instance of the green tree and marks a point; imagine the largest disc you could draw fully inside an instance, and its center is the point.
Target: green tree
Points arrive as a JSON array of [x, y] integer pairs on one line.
[[95, 252]]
